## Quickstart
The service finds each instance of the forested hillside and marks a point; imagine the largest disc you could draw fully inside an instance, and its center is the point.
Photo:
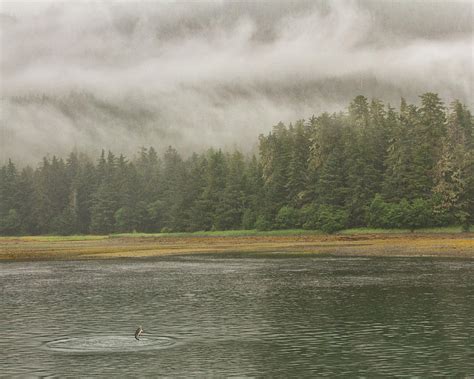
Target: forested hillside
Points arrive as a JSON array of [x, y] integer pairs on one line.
[[370, 166]]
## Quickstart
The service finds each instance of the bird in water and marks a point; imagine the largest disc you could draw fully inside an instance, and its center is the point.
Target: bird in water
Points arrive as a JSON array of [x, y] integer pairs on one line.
[[138, 333]]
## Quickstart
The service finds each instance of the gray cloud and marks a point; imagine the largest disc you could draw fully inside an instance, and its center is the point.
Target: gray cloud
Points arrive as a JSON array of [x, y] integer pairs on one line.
[[122, 75]]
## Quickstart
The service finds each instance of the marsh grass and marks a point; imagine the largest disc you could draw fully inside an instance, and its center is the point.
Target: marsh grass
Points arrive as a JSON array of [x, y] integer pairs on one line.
[[238, 233], [445, 242], [225, 233], [292, 232], [438, 230], [56, 238]]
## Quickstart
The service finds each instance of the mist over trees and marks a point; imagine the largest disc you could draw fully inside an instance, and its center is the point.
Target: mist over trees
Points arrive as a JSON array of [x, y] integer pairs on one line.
[[370, 166], [118, 75]]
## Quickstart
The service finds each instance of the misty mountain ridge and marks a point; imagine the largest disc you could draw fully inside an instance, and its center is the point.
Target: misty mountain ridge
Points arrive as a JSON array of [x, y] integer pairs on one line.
[[193, 75], [89, 123]]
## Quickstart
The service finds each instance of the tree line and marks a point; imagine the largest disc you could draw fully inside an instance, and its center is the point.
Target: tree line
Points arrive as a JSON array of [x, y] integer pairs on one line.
[[371, 166]]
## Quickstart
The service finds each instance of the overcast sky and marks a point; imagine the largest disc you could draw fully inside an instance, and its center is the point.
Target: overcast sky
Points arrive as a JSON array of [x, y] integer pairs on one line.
[[120, 75]]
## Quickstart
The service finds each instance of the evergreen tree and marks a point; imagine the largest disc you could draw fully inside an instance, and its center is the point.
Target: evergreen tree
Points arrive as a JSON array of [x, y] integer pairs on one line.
[[9, 219], [105, 201], [402, 179], [369, 166], [194, 199], [230, 210], [275, 157], [254, 195], [298, 167], [172, 190], [428, 134], [8, 186], [359, 112], [332, 188], [212, 196], [84, 186], [25, 195], [453, 172]]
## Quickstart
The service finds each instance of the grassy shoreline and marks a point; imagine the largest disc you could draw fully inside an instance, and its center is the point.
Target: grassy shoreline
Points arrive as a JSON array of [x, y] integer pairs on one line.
[[439, 242], [241, 233]]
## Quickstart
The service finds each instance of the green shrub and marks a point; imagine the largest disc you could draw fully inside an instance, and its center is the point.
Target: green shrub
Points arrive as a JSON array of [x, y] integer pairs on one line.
[[287, 218], [263, 223], [418, 214], [395, 216], [10, 225], [248, 219], [308, 217], [332, 219], [378, 212], [386, 215], [65, 224], [124, 219], [413, 215]]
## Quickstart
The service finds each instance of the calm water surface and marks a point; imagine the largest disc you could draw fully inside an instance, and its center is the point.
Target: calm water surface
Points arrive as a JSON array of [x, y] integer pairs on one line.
[[252, 316]]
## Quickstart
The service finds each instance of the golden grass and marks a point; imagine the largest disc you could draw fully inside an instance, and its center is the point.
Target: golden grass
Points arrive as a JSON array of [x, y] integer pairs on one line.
[[90, 247]]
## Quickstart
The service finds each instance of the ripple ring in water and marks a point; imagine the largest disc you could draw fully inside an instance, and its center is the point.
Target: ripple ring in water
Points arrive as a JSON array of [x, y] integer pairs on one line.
[[108, 344]]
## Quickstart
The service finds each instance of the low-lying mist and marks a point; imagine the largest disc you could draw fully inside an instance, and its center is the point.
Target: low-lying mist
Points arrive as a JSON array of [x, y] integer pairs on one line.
[[122, 75]]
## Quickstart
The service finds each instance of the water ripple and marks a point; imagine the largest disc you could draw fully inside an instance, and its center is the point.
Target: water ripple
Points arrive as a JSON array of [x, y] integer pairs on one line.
[[109, 344], [238, 317]]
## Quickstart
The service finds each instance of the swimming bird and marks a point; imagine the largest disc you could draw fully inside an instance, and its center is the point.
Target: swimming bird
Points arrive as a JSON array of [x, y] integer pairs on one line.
[[138, 333]]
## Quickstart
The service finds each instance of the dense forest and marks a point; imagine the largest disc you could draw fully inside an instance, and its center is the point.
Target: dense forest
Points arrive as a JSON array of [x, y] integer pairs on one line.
[[370, 166]]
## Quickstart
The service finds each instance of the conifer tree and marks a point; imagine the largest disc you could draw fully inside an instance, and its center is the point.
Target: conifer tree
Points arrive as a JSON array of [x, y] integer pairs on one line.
[[230, 209], [106, 200], [254, 195], [370, 165], [454, 169], [298, 166], [172, 190], [275, 158], [332, 188]]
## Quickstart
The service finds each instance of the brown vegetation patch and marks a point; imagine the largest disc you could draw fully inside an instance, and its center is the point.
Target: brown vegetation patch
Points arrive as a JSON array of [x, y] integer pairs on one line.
[[448, 245]]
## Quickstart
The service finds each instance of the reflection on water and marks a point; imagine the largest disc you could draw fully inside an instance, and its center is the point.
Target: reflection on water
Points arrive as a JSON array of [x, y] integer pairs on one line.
[[238, 316]]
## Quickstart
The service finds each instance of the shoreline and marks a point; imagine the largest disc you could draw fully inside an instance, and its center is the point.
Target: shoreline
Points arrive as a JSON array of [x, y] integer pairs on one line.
[[35, 248]]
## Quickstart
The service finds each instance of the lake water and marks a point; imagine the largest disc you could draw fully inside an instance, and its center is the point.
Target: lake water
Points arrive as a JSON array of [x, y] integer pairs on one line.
[[238, 316]]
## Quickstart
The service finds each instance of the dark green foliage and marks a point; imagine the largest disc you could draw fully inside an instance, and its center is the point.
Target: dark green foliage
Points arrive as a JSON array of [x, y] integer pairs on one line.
[[230, 209], [195, 205], [418, 214], [372, 166], [171, 191], [454, 170], [11, 223], [331, 187], [287, 218], [377, 216], [263, 223], [367, 152], [308, 216], [388, 215], [84, 186], [26, 201], [332, 219], [103, 209], [405, 214], [65, 223], [275, 155], [248, 219], [8, 185], [298, 167], [106, 199], [52, 193]]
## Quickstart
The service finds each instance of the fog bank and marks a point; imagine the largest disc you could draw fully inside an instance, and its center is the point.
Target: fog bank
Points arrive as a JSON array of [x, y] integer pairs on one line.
[[92, 75]]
